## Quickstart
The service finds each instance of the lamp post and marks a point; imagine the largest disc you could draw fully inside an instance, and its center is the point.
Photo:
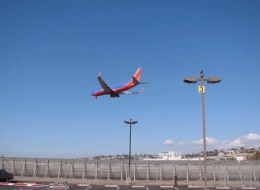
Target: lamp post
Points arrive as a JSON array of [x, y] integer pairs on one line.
[[201, 90], [130, 123]]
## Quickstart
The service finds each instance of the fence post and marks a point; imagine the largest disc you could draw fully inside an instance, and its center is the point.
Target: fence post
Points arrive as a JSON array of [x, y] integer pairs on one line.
[[109, 170], [60, 169], [227, 175], [200, 172], [175, 181], [254, 169], [187, 173], [122, 170], [173, 171], [35, 169], [161, 171], [147, 171], [134, 168], [84, 169], [126, 174], [96, 169], [240, 172], [13, 166], [24, 167], [47, 169], [213, 171], [252, 174], [2, 162], [72, 168]]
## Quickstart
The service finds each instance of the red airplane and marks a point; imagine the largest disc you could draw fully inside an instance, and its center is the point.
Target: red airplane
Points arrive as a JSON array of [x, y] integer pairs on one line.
[[114, 91]]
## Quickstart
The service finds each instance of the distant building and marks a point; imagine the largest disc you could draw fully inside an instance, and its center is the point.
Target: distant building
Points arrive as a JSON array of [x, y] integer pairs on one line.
[[168, 156], [242, 156], [171, 156]]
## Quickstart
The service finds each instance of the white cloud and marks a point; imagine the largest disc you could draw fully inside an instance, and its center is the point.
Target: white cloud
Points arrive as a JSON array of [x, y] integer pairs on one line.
[[197, 142], [183, 143], [249, 140], [233, 144], [168, 142], [251, 137], [209, 141]]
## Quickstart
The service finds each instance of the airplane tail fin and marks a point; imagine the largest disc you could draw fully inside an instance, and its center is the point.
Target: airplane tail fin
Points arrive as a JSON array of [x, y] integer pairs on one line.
[[137, 76]]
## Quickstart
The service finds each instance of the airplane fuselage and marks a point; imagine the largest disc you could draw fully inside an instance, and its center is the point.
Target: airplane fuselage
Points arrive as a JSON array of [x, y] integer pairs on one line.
[[117, 89], [114, 91]]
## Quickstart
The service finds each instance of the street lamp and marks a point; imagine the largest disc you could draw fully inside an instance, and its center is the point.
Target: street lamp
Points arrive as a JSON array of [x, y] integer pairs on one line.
[[130, 123], [201, 89]]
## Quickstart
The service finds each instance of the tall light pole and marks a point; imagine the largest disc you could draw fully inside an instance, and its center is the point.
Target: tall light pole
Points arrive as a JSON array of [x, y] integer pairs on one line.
[[201, 89], [130, 123]]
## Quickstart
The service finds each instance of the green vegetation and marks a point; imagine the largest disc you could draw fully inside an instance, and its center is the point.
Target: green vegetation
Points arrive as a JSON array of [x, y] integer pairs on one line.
[[256, 156]]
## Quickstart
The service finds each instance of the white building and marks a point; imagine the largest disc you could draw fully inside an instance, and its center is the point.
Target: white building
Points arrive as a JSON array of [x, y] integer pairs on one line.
[[170, 156]]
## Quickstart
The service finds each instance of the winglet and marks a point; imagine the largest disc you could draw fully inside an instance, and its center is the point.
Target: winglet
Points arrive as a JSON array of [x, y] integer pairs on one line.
[[99, 74]]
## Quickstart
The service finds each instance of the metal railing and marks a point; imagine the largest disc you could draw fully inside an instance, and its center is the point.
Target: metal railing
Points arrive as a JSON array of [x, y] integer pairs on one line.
[[221, 171]]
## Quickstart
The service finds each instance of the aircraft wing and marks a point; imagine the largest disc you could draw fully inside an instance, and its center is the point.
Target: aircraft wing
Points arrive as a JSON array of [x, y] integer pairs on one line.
[[128, 93], [106, 88]]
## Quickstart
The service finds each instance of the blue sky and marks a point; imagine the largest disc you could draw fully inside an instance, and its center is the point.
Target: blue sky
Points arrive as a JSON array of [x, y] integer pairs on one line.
[[51, 53]]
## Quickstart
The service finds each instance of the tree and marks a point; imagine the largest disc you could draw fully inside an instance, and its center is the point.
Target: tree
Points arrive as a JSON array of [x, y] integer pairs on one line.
[[256, 156]]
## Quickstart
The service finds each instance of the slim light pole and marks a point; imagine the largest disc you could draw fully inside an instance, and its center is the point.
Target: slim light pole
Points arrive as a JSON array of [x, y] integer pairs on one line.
[[201, 89], [130, 123]]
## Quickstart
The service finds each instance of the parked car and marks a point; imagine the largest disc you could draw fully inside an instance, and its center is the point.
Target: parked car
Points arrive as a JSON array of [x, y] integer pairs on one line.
[[5, 176]]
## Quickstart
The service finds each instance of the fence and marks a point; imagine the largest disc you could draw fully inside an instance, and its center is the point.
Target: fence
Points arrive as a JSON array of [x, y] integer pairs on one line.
[[221, 171]]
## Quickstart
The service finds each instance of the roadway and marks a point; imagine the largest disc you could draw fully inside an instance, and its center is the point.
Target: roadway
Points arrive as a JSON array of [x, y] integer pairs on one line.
[[116, 187]]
